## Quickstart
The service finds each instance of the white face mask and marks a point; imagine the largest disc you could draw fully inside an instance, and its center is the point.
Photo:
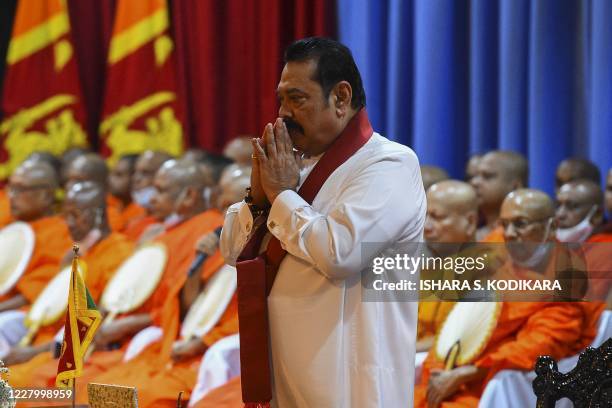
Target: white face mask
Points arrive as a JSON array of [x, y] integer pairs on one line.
[[579, 232], [143, 196], [540, 253]]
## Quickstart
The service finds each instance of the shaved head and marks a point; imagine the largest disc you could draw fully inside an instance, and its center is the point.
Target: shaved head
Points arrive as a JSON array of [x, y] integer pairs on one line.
[[533, 204], [185, 173], [179, 188], [39, 172], [452, 212], [239, 150], [455, 195], [432, 174], [32, 190], [513, 165], [234, 190], [576, 168], [48, 158], [194, 155], [86, 194], [146, 166], [578, 199], [498, 173], [87, 167], [85, 209], [232, 172]]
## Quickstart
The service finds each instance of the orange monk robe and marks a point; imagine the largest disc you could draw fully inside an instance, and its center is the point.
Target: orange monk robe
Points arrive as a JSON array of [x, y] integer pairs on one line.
[[102, 260], [495, 235], [180, 241], [156, 376], [52, 240], [599, 263], [114, 208], [136, 226], [120, 216], [5, 208], [524, 331]]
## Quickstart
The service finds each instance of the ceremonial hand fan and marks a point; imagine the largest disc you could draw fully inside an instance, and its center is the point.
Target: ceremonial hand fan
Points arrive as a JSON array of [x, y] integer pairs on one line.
[[466, 331], [135, 280], [210, 305], [16, 247], [52, 302]]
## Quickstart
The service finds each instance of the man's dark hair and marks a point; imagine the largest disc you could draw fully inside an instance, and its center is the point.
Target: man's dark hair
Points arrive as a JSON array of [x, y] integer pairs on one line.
[[335, 63]]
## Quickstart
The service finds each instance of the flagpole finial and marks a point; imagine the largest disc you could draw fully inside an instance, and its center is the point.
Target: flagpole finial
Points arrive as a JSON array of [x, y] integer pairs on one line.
[[75, 249]]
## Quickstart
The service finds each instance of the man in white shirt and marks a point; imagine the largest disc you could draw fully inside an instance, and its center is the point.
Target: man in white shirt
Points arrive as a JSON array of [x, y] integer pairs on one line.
[[322, 184]]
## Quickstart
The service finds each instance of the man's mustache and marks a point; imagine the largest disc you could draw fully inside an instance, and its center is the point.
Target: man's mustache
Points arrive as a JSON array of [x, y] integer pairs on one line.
[[293, 125]]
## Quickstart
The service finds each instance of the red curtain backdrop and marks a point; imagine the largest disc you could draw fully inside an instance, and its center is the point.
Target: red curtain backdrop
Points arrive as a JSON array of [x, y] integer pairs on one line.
[[230, 58], [92, 25]]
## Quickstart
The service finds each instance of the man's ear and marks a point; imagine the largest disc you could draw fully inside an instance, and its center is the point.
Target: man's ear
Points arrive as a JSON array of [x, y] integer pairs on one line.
[[190, 198], [342, 97]]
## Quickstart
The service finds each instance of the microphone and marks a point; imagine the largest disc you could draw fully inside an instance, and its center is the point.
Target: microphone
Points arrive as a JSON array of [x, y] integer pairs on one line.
[[201, 257]]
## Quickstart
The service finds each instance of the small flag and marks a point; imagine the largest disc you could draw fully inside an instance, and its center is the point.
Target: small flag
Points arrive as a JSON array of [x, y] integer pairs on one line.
[[82, 321]]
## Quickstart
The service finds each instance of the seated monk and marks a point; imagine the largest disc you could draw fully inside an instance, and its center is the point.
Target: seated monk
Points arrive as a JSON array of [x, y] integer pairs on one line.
[[120, 189], [102, 252], [597, 253], [498, 173], [579, 210], [523, 330], [143, 190], [5, 205], [178, 201], [160, 376], [92, 167], [32, 198], [452, 216]]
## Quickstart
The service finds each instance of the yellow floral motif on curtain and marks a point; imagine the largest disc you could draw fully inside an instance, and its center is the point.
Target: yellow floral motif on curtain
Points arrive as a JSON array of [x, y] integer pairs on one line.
[[62, 131], [162, 132]]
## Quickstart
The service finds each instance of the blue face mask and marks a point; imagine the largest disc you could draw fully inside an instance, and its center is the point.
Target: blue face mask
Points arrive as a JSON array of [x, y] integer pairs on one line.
[[143, 196]]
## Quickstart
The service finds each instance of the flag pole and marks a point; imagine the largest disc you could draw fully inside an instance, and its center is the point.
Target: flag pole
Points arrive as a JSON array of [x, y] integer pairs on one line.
[[75, 249]]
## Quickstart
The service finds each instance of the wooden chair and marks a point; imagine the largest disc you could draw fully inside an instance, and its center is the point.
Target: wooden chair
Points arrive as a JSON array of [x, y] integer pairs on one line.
[[588, 385]]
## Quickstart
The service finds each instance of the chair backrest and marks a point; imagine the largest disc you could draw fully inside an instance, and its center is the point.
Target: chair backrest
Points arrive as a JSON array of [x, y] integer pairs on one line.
[[588, 385]]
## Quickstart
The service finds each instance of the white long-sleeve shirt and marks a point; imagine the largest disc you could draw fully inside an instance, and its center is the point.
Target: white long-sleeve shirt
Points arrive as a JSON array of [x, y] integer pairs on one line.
[[328, 347]]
